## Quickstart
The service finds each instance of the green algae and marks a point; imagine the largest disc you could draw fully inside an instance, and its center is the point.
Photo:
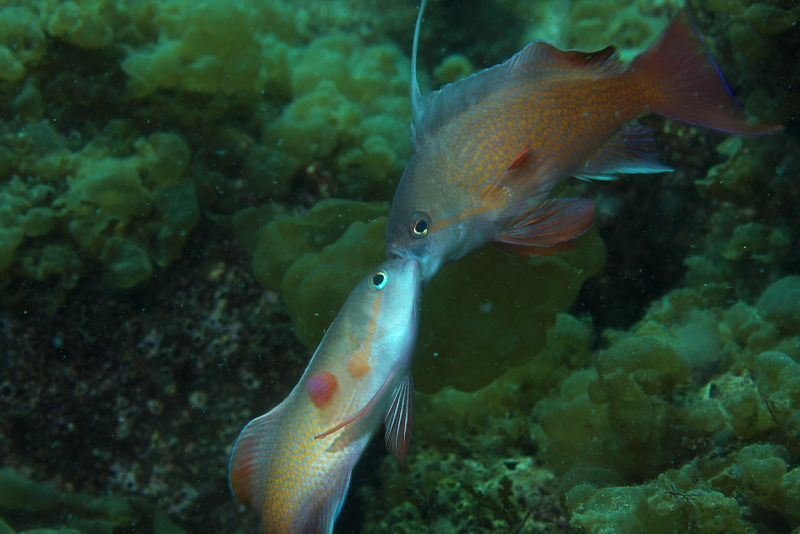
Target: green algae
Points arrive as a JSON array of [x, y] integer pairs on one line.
[[128, 212], [741, 387], [277, 244], [687, 422], [489, 312], [38, 509], [780, 304], [17, 493], [122, 193]]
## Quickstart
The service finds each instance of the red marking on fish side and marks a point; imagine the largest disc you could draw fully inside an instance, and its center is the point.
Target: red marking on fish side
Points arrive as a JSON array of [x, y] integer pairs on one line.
[[521, 158], [321, 388]]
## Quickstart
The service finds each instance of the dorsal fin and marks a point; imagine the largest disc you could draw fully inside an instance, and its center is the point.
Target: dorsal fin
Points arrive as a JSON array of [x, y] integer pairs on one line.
[[538, 61], [416, 94]]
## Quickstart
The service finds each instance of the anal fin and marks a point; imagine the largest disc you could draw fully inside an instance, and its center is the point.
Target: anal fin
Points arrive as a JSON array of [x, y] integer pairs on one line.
[[631, 150]]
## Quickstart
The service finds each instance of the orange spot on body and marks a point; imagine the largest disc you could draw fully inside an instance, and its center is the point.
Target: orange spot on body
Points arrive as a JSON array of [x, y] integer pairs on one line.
[[321, 388], [358, 365]]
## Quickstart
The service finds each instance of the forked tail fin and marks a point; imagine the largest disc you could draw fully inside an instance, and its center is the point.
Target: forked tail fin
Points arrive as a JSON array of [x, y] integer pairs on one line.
[[684, 83]]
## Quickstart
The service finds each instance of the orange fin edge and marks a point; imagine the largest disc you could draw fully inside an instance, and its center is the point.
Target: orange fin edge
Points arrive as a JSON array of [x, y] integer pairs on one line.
[[249, 463]]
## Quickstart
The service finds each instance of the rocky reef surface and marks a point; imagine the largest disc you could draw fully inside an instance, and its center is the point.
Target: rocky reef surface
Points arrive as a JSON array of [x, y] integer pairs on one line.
[[188, 191]]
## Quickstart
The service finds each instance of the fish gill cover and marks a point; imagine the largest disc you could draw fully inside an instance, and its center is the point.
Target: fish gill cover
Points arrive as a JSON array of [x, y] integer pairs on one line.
[[139, 137]]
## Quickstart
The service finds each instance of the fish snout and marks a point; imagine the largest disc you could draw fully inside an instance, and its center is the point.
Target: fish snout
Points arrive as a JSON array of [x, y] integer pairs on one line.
[[396, 251], [426, 257]]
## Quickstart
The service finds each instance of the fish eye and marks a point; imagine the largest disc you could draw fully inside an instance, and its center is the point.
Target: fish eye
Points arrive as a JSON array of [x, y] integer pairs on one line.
[[379, 279], [420, 224]]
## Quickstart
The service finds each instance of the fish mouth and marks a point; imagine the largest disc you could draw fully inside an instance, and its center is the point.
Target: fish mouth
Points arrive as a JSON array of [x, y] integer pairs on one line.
[[412, 262], [395, 251], [427, 264]]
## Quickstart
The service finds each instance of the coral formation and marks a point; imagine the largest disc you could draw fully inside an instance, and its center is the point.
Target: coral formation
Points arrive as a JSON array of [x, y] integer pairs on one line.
[[474, 466], [350, 110], [277, 243]]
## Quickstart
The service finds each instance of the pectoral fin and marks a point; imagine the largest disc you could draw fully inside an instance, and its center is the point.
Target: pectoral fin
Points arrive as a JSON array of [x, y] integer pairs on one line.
[[400, 419], [523, 183], [549, 225]]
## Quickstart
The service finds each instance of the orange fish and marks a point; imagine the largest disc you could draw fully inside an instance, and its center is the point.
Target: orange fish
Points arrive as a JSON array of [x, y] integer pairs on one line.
[[293, 464], [490, 148]]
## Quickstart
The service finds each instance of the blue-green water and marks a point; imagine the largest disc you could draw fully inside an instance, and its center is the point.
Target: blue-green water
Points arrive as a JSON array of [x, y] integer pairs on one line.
[[159, 162]]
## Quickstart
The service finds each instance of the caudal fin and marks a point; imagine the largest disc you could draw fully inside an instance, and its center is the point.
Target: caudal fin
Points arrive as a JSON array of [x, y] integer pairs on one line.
[[685, 84], [249, 466]]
